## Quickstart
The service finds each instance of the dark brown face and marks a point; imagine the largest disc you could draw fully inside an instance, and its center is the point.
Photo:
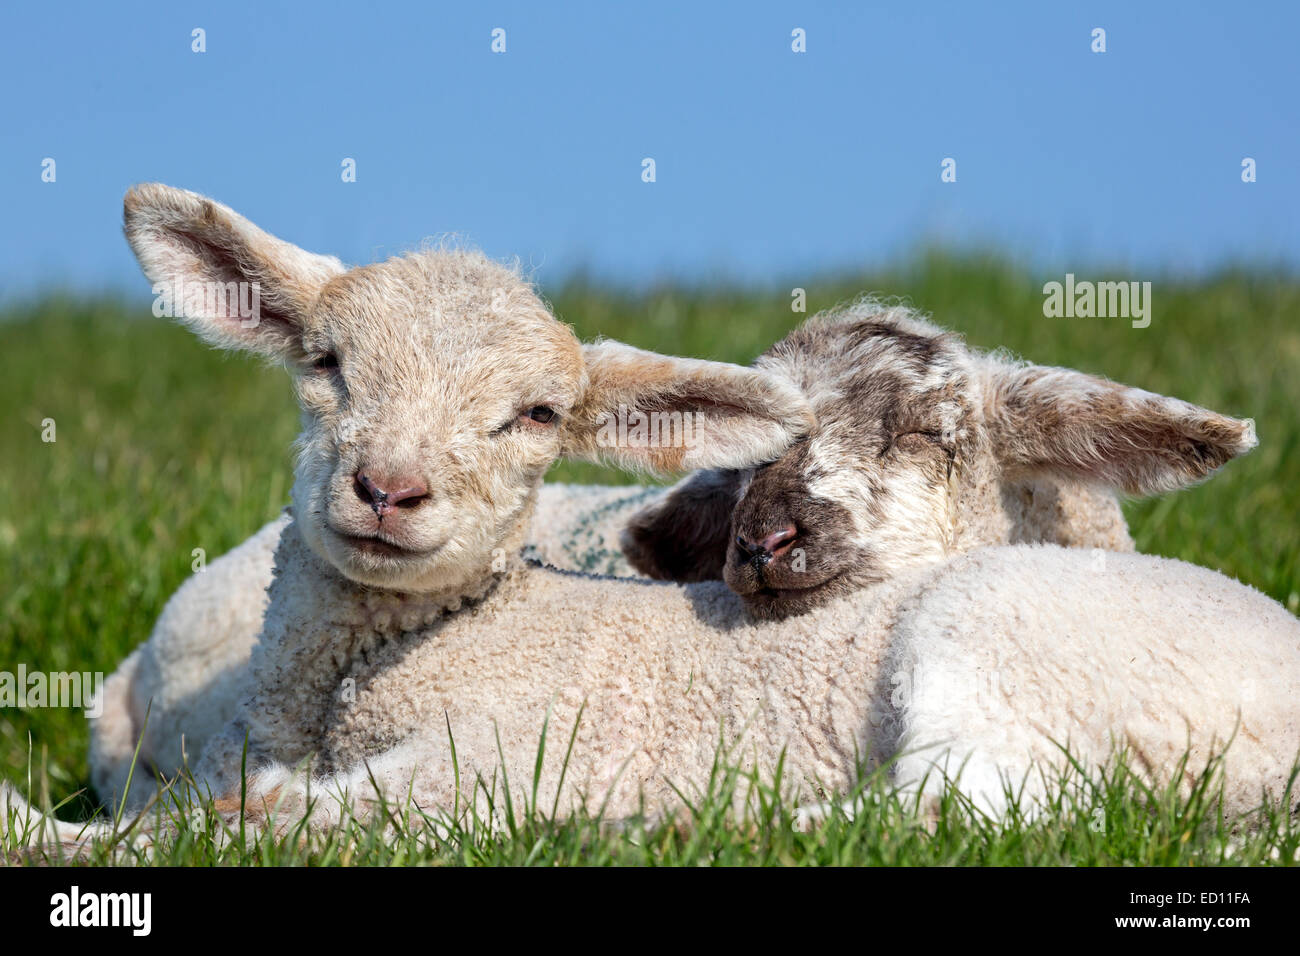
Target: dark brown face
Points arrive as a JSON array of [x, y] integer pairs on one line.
[[786, 549], [863, 495], [804, 532]]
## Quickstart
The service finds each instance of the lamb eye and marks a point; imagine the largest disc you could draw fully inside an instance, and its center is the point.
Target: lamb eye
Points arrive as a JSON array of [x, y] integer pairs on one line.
[[540, 414], [912, 442], [326, 362]]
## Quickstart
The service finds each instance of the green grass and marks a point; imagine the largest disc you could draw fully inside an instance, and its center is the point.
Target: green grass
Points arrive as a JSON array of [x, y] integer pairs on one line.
[[1106, 818], [164, 446]]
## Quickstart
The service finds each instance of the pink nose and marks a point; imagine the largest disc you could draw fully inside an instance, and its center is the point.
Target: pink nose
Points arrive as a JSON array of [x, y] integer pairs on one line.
[[776, 543], [385, 494]]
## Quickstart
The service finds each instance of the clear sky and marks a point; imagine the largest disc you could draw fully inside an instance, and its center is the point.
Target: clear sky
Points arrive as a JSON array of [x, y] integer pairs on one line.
[[769, 164]]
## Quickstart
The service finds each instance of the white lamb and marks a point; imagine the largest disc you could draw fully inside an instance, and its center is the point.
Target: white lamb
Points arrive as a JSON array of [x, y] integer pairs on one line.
[[436, 390], [182, 685]]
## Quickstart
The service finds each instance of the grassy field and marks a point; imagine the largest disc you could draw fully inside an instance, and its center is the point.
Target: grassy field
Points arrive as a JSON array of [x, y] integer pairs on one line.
[[163, 446]]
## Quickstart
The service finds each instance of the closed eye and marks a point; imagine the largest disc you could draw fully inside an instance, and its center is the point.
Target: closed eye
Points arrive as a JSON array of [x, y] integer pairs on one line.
[[911, 442], [326, 363]]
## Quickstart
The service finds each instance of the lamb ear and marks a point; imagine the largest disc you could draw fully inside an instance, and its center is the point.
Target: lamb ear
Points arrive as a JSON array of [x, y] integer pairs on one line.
[[233, 284], [1075, 425], [656, 413], [684, 536]]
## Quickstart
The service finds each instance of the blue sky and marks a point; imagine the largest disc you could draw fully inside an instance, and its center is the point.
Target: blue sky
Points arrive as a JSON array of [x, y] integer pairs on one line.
[[770, 164]]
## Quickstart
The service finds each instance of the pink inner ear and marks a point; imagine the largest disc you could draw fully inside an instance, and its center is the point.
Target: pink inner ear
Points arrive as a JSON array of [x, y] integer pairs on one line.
[[206, 281]]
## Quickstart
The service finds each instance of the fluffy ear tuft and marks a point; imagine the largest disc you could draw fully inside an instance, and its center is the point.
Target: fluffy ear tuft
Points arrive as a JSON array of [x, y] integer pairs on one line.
[[1074, 425], [233, 284], [684, 536], [656, 413]]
